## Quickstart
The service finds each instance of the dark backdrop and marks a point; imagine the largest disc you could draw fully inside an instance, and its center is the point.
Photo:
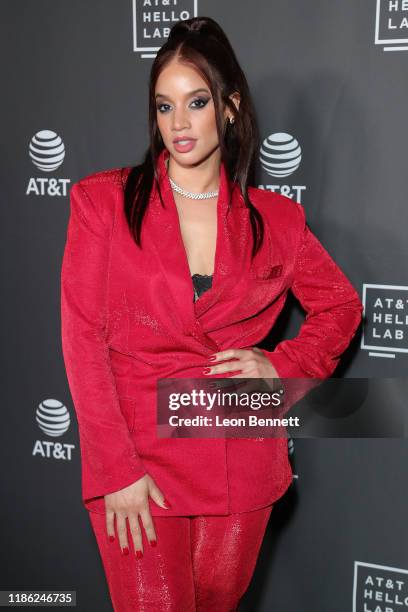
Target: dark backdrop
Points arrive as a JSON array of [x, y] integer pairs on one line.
[[333, 76]]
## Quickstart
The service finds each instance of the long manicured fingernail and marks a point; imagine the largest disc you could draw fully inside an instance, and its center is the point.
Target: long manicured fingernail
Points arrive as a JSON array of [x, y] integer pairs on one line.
[[153, 542], [139, 554], [125, 551], [166, 503], [206, 370], [111, 538], [212, 358]]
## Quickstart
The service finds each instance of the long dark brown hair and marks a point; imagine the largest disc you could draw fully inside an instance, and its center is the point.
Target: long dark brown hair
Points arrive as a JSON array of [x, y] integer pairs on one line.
[[202, 43]]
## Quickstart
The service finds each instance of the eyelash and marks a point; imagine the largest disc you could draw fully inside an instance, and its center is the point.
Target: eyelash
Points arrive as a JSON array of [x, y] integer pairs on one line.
[[205, 100]]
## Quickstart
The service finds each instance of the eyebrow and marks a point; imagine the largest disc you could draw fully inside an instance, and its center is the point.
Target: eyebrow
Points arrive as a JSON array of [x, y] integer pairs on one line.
[[159, 95]]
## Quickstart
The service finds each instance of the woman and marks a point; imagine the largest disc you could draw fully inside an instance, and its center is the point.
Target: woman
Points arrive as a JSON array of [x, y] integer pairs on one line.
[[177, 269]]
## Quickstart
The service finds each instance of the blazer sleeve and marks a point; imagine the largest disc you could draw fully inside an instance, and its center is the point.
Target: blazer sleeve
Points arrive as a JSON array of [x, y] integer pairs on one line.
[[333, 312], [108, 457]]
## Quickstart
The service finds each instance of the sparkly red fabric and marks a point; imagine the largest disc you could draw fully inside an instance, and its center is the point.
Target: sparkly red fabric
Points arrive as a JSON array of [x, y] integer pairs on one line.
[[128, 319], [200, 563]]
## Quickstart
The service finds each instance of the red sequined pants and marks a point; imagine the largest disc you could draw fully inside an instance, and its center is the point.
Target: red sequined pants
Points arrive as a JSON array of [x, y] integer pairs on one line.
[[200, 563]]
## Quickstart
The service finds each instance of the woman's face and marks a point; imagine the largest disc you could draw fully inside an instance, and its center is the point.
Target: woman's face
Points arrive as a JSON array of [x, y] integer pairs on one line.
[[185, 108]]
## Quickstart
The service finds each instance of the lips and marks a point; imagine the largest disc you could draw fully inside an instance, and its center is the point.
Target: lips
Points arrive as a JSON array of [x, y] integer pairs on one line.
[[184, 145], [183, 140]]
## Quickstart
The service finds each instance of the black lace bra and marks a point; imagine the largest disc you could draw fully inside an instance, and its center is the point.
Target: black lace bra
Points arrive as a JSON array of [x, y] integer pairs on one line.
[[201, 282]]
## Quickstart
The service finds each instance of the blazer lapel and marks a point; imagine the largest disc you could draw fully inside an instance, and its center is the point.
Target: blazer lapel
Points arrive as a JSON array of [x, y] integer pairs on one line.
[[231, 254]]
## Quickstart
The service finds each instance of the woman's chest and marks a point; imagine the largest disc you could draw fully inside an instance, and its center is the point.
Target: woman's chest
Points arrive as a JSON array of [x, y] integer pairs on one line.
[[198, 232], [151, 294]]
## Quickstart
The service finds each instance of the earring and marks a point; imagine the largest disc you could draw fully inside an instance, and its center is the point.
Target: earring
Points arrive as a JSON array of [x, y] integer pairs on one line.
[[231, 120]]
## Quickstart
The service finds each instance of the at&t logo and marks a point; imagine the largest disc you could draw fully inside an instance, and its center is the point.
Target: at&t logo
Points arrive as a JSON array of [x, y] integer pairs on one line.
[[280, 156], [47, 153], [391, 25], [53, 419], [153, 19], [386, 319]]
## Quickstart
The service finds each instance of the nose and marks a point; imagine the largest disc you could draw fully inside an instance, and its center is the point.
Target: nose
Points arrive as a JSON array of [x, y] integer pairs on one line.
[[180, 119]]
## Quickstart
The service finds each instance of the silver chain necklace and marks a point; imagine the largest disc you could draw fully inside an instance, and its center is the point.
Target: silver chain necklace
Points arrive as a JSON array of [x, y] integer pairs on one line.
[[190, 194]]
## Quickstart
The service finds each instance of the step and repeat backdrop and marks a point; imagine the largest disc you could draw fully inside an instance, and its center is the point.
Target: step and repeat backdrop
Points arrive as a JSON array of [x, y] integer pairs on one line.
[[329, 82]]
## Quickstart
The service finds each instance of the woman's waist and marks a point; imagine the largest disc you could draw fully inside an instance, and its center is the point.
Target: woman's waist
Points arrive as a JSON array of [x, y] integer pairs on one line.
[[145, 368]]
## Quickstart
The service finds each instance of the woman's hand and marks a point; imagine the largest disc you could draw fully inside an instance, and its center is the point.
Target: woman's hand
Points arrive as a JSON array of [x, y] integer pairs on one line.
[[252, 363], [129, 503]]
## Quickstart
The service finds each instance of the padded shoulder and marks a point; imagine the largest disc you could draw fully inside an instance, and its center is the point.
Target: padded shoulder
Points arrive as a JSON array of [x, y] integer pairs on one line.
[[113, 175], [277, 208], [100, 193]]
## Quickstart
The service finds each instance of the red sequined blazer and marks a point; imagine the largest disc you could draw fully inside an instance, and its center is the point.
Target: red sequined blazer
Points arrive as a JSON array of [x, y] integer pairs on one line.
[[128, 319]]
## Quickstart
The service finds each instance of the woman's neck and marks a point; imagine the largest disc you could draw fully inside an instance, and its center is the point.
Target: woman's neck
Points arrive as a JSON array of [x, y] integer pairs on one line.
[[198, 179]]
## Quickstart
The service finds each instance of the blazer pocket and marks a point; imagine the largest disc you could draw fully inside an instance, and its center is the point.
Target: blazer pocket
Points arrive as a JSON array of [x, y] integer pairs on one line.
[[267, 272], [128, 409]]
